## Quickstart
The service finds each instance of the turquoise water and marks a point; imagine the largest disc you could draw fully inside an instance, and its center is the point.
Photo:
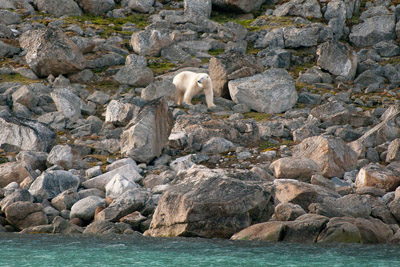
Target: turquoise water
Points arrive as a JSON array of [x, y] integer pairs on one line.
[[57, 250]]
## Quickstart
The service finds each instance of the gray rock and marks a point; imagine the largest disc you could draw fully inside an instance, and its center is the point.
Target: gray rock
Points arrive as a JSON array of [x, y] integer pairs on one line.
[[50, 51], [59, 8], [196, 206], [147, 133], [273, 91], [130, 201], [229, 66], [387, 48], [8, 50], [301, 37], [17, 195], [135, 72], [62, 226], [14, 172], [197, 8], [97, 7], [5, 32], [25, 96], [24, 214], [65, 200], [288, 212], [51, 183], [23, 134], [273, 39], [305, 228], [99, 97], [338, 59], [128, 170], [159, 89], [18, 4], [66, 157], [294, 168], [118, 185], [67, 103], [246, 6], [276, 58], [332, 155], [335, 9], [218, 145], [143, 6], [150, 42], [305, 8], [373, 30], [120, 113], [121, 162], [85, 208], [91, 192], [107, 60], [8, 17]]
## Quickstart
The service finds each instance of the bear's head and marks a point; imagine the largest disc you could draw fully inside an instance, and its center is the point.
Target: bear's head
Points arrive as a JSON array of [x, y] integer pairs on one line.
[[203, 80]]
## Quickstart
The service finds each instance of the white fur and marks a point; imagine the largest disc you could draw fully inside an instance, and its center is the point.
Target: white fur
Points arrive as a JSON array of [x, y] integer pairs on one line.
[[189, 84]]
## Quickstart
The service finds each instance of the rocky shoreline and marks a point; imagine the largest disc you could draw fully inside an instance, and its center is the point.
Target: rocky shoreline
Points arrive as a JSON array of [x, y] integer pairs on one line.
[[302, 146]]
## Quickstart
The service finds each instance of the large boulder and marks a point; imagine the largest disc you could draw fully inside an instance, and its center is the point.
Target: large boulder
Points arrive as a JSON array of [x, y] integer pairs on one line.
[[128, 170], [301, 37], [147, 133], [17, 195], [303, 8], [118, 185], [135, 72], [199, 204], [158, 89], [198, 8], [229, 66], [151, 41], [51, 183], [8, 17], [332, 155], [59, 8], [97, 7], [272, 91], [85, 208], [246, 6], [191, 130], [143, 6], [67, 103], [137, 199], [7, 50], [300, 193], [339, 230], [294, 168], [15, 171], [337, 58], [267, 231], [24, 134], [377, 175], [66, 157], [24, 214], [373, 30], [50, 51], [119, 113]]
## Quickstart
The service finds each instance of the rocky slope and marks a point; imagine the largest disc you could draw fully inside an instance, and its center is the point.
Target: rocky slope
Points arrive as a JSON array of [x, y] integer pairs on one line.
[[303, 145]]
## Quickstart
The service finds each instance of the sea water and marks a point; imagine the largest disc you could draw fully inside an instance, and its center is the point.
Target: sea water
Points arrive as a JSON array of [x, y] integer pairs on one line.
[[44, 250]]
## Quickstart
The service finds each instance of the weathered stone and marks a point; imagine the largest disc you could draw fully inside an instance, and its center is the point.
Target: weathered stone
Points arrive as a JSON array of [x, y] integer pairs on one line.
[[196, 206], [301, 37], [8, 17], [134, 220], [197, 8], [120, 113], [51, 183], [62, 226], [135, 72], [143, 6], [305, 228], [272, 91], [229, 66], [338, 59], [303, 194], [128, 170], [294, 168], [118, 185], [85, 208], [101, 227], [218, 145], [150, 42], [246, 6], [24, 214], [24, 134], [138, 199], [378, 176], [267, 231], [17, 195], [332, 155], [50, 51], [65, 200], [7, 50], [97, 7], [338, 230], [320, 180], [373, 30], [67, 103], [147, 133], [13, 172], [159, 89], [59, 8], [66, 157], [288, 211]]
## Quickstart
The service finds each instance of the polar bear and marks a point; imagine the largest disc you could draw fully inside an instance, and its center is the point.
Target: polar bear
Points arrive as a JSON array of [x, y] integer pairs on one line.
[[189, 84]]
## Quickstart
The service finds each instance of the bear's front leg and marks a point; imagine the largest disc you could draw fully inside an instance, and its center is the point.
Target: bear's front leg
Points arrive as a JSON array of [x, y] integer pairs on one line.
[[187, 98], [209, 97]]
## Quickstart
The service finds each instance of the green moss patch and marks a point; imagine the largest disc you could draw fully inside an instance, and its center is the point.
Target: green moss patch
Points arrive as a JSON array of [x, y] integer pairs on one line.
[[16, 78], [258, 116]]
